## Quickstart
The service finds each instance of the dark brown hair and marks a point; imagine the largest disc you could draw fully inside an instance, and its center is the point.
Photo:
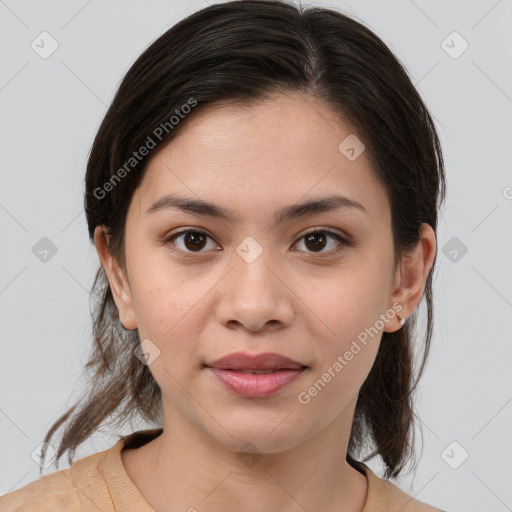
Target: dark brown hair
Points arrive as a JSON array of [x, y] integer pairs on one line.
[[243, 51]]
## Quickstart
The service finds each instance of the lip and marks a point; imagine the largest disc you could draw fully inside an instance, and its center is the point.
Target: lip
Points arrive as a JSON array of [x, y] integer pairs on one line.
[[250, 385], [247, 385], [263, 361]]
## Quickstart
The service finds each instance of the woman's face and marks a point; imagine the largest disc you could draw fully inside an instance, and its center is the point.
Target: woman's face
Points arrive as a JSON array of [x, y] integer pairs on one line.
[[253, 282]]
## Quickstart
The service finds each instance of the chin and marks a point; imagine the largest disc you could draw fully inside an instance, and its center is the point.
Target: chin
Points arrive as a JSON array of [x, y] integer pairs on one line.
[[264, 437]]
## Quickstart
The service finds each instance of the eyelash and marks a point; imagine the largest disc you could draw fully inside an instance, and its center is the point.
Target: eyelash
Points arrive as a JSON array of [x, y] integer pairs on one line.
[[344, 243]]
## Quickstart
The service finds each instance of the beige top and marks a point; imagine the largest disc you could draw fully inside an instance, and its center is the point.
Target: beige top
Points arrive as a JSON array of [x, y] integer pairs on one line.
[[100, 482]]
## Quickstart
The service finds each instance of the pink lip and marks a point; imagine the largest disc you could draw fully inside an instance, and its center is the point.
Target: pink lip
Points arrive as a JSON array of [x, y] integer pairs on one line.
[[249, 385], [263, 361]]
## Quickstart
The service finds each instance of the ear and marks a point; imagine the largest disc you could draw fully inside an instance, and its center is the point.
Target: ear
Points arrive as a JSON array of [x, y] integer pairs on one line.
[[410, 280], [118, 282]]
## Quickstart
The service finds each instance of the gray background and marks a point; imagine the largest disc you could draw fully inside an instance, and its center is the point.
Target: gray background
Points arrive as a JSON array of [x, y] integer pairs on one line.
[[51, 109]]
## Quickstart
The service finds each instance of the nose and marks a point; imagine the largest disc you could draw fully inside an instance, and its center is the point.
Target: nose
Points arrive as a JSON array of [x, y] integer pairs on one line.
[[256, 295]]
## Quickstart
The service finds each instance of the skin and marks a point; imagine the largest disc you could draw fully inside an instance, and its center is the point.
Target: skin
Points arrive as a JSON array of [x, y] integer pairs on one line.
[[257, 159]]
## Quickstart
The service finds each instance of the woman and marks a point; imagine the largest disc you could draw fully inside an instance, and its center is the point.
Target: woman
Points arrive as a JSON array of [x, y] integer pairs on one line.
[[263, 195]]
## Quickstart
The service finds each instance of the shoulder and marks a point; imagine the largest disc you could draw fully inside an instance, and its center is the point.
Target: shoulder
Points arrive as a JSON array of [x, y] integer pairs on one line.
[[415, 505], [50, 493], [385, 495], [403, 502], [65, 490], [406, 503], [96, 482]]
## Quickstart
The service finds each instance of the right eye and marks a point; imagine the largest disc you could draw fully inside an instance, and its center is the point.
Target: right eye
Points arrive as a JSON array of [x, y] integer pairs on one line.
[[192, 240]]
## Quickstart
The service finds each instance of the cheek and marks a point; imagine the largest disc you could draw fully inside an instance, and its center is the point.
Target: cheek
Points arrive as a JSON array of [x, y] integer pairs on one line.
[[345, 357], [346, 310], [346, 351], [169, 307], [346, 302], [168, 312], [160, 295]]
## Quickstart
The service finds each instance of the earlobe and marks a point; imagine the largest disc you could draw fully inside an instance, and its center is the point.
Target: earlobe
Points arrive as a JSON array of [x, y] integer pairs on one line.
[[117, 281], [401, 320], [411, 277]]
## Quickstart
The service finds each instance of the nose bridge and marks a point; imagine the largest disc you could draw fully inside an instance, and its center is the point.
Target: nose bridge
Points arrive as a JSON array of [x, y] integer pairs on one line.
[[255, 293], [253, 263]]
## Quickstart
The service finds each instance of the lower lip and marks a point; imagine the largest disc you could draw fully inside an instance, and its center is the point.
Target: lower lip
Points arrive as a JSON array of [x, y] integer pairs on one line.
[[252, 385]]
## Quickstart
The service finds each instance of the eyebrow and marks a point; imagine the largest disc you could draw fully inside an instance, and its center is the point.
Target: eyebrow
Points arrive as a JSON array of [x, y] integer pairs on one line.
[[311, 207]]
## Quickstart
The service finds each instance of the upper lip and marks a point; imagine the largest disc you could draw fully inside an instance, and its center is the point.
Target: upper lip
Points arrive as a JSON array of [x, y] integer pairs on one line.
[[264, 361]]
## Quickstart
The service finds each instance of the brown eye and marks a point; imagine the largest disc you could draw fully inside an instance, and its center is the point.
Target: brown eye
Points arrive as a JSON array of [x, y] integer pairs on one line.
[[316, 240], [192, 240]]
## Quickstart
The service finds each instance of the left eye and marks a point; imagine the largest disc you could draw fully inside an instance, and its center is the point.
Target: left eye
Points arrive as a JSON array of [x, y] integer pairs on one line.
[[318, 238], [194, 240]]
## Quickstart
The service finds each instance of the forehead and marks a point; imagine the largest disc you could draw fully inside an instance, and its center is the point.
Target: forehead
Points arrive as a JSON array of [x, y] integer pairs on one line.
[[276, 151]]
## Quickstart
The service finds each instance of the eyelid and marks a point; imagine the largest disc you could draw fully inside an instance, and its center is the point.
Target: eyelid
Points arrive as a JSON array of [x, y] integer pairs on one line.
[[322, 229], [185, 230]]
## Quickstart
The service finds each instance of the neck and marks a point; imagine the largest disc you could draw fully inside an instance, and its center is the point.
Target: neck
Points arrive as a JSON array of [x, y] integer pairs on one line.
[[185, 468]]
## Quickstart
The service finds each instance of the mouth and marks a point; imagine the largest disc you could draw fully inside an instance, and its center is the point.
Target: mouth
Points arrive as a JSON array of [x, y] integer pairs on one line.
[[255, 375], [253, 371], [255, 383], [243, 361]]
